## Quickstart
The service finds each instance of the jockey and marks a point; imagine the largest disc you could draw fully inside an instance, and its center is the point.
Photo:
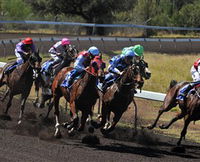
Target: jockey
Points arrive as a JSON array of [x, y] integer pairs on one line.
[[22, 50], [137, 49], [57, 53], [82, 61], [195, 71], [116, 68]]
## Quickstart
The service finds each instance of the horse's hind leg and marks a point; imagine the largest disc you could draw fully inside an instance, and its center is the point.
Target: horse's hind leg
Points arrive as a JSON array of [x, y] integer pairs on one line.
[[184, 130], [5, 95], [179, 116], [9, 103], [83, 120], [164, 108]]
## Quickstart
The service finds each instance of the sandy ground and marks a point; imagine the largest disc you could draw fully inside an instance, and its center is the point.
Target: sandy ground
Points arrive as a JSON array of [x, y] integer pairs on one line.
[[33, 141]]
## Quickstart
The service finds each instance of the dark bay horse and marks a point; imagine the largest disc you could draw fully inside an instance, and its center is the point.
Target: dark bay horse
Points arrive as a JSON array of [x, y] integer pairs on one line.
[[81, 97], [170, 102], [20, 81], [190, 109], [117, 98], [44, 81]]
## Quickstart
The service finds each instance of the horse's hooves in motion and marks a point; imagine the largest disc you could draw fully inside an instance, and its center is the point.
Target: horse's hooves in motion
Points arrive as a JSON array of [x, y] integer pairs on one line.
[[5, 117], [104, 131], [38, 105], [58, 134], [163, 126], [150, 127], [178, 149], [71, 132]]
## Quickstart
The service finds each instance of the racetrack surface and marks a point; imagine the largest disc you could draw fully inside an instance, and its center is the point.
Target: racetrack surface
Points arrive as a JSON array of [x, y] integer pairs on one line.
[[33, 141]]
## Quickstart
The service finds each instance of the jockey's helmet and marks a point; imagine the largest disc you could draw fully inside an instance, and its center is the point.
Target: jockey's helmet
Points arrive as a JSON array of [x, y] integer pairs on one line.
[[129, 54], [94, 51], [138, 50], [65, 41], [28, 41]]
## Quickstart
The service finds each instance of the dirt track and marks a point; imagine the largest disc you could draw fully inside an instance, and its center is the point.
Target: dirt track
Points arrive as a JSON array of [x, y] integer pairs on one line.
[[34, 141]]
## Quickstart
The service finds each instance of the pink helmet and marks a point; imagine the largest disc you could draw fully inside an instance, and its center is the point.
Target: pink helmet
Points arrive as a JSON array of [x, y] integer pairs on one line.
[[65, 41]]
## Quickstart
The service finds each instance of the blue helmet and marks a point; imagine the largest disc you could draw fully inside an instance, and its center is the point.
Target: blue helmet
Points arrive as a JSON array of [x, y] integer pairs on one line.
[[129, 54], [94, 51]]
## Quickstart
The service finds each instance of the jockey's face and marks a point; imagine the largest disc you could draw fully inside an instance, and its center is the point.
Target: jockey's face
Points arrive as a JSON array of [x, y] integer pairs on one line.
[[136, 59], [128, 60]]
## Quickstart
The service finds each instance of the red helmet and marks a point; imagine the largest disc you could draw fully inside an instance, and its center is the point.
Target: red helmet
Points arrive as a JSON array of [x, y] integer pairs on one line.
[[196, 63], [28, 41], [65, 41]]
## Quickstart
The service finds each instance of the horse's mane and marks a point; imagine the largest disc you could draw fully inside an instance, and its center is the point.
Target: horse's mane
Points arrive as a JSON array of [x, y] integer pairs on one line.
[[172, 83]]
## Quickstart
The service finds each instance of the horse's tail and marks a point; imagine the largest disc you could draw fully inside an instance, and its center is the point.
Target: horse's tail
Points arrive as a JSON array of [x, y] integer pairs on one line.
[[172, 83]]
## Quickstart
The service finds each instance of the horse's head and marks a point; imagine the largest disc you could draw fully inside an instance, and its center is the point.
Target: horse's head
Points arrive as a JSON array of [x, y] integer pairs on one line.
[[132, 77], [97, 67], [35, 60], [71, 53], [144, 69]]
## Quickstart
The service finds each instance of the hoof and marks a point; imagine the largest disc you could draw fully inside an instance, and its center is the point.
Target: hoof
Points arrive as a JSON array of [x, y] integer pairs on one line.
[[162, 127], [150, 127], [58, 135], [71, 132], [19, 122], [104, 131], [91, 129]]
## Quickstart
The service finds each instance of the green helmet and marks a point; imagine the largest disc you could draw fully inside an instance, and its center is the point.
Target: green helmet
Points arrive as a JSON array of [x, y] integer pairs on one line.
[[125, 49], [138, 50]]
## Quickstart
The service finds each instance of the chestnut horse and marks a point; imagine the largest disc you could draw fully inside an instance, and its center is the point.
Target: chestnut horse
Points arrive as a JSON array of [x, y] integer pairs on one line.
[[117, 98], [44, 81], [20, 81], [190, 109], [82, 96]]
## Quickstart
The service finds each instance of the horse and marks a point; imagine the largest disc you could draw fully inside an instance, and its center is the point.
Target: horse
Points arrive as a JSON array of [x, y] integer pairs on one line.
[[44, 81], [117, 98], [82, 96], [170, 102], [20, 82], [189, 108]]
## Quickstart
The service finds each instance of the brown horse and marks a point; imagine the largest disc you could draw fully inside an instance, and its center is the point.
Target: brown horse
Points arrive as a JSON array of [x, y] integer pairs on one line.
[[81, 97], [44, 81], [190, 109], [169, 102], [117, 98], [20, 82]]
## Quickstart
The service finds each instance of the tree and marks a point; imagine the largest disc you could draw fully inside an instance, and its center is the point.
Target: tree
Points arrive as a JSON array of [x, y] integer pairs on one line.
[[15, 9], [92, 11]]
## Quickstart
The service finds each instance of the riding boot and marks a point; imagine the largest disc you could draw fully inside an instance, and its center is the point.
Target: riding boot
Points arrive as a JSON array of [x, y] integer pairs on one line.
[[184, 91]]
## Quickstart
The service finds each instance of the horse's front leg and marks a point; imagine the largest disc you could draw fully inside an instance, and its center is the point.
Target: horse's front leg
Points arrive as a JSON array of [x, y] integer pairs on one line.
[[116, 118], [57, 133], [22, 106], [75, 120]]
